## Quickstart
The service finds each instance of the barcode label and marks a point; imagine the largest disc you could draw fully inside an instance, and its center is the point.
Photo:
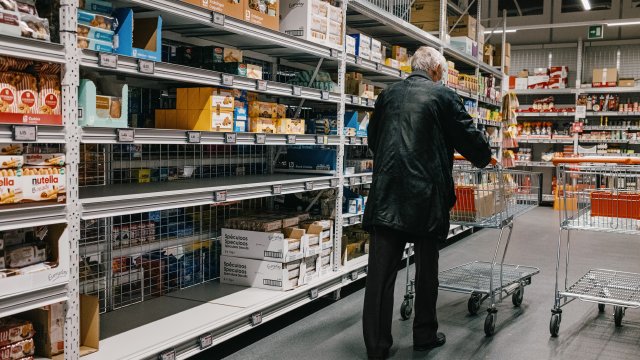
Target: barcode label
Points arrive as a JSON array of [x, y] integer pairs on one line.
[[273, 254], [269, 282]]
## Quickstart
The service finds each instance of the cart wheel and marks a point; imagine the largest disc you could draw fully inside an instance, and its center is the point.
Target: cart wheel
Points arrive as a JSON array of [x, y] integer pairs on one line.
[[601, 307], [618, 314], [554, 325], [517, 296], [473, 305], [490, 324], [406, 309]]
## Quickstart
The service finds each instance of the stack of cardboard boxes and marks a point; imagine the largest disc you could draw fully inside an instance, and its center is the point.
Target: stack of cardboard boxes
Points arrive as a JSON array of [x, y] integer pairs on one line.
[[357, 85], [263, 13], [497, 57], [605, 77], [313, 20], [266, 117], [206, 109], [368, 48], [275, 251], [554, 77]]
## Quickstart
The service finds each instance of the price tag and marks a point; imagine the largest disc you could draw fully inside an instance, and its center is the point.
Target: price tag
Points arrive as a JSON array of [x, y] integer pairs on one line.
[[217, 18], [193, 137], [353, 220], [378, 66], [291, 139], [261, 85], [167, 355], [80, 113], [308, 185], [353, 140], [107, 60], [227, 80], [296, 91], [581, 111], [206, 341], [365, 141], [256, 318], [354, 276], [324, 95], [333, 53], [25, 133], [146, 66], [220, 195], [276, 189], [261, 139], [334, 182], [126, 135], [230, 138], [358, 60], [313, 294], [371, 102], [361, 180], [321, 139]]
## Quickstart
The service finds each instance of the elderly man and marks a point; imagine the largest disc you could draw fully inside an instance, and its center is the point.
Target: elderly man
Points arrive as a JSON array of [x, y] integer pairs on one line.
[[416, 125]]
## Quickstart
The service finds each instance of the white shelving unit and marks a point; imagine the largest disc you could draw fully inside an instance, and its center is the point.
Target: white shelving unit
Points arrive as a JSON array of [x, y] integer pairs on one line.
[[172, 324]]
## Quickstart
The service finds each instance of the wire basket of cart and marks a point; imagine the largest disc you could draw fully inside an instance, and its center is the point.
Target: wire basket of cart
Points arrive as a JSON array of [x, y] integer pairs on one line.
[[597, 194], [488, 198]]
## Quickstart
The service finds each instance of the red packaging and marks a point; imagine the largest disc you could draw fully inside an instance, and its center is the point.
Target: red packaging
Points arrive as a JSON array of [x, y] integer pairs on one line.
[[14, 330], [557, 83], [561, 72], [19, 351]]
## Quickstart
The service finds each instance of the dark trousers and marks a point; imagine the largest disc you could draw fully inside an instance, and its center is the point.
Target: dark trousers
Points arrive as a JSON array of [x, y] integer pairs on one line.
[[385, 254]]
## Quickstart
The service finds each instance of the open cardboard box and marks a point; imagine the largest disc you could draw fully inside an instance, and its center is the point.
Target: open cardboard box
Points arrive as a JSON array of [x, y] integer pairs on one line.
[[140, 37], [233, 8]]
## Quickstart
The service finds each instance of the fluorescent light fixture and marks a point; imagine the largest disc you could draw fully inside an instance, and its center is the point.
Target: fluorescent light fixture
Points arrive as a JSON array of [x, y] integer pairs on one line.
[[499, 31], [624, 23], [586, 5]]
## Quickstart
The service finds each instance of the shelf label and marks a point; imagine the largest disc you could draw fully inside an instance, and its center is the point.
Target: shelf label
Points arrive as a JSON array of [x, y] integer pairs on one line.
[[219, 196], [355, 100], [358, 60], [230, 138], [206, 341], [261, 139], [334, 182], [276, 189], [308, 185], [217, 18], [324, 95], [25, 133], [371, 102], [333, 53], [313, 294], [378, 66], [227, 80], [365, 141], [353, 220], [581, 111], [261, 85], [353, 140], [291, 139], [167, 355], [146, 66], [107, 60], [126, 135], [194, 137], [354, 275], [296, 90], [361, 180], [80, 113], [321, 139], [256, 318]]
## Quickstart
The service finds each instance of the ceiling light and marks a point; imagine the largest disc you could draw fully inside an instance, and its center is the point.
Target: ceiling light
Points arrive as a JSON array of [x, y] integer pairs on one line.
[[586, 5], [499, 31], [624, 23]]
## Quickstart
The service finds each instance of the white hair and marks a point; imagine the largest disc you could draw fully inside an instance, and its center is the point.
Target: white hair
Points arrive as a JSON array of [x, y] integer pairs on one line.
[[427, 58]]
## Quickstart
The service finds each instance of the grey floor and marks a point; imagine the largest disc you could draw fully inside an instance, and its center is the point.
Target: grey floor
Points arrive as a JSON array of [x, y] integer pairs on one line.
[[334, 332]]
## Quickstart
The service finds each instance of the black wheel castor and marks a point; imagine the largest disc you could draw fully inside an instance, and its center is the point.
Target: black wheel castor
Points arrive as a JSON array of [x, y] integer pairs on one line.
[[473, 305], [518, 296], [618, 314], [554, 325], [490, 324], [601, 308], [406, 309]]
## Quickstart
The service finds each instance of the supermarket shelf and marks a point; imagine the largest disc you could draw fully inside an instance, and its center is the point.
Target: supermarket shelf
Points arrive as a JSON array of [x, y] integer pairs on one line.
[[566, 91], [548, 197], [96, 248], [488, 101], [613, 113], [489, 122], [349, 219], [465, 93], [610, 128], [25, 48], [26, 215], [185, 74], [544, 141], [472, 61], [370, 67], [194, 21], [534, 164], [606, 90], [604, 141], [96, 135], [34, 299], [360, 101], [358, 179], [123, 199], [233, 159], [546, 114], [46, 134], [356, 140]]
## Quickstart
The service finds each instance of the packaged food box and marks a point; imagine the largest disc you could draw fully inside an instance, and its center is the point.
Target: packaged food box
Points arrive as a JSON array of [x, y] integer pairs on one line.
[[284, 246], [261, 273], [10, 149], [95, 45], [43, 183], [221, 121], [96, 20], [49, 95], [10, 161], [290, 126], [13, 330], [350, 45], [19, 351], [22, 255], [96, 33], [362, 45], [108, 107], [10, 190], [259, 109], [232, 55], [55, 159], [254, 71]]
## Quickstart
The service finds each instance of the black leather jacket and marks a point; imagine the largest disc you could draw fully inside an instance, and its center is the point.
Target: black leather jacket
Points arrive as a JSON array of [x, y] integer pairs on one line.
[[416, 126]]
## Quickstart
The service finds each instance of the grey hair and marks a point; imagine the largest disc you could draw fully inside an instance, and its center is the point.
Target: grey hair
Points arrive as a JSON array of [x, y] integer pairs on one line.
[[427, 58]]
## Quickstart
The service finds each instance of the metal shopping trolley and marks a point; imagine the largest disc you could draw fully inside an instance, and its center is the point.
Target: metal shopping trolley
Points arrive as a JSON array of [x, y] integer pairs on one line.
[[487, 198], [597, 194]]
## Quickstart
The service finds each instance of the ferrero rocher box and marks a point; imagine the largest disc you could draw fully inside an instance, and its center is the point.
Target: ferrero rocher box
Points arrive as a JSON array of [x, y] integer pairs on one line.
[[233, 8]]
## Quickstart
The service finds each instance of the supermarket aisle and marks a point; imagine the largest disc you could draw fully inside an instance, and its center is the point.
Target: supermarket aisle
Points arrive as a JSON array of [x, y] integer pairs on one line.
[[334, 332]]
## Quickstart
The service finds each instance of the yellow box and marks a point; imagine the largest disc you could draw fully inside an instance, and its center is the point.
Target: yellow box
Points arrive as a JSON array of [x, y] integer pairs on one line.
[[199, 120], [194, 101], [171, 119], [182, 119], [290, 126], [262, 125], [142, 175], [223, 102], [259, 109], [399, 53], [161, 118], [182, 98], [281, 111]]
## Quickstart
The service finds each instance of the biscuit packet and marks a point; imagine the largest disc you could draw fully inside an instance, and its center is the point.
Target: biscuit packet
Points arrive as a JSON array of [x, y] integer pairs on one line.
[[34, 27], [26, 93], [49, 95], [8, 103], [43, 183]]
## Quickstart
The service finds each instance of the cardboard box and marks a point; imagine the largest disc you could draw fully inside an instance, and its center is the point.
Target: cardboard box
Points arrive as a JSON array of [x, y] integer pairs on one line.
[[254, 71], [465, 27], [221, 120], [290, 126], [10, 189], [487, 59], [48, 323], [99, 6], [142, 41], [392, 63], [10, 149], [350, 45], [285, 246], [358, 120], [232, 55], [521, 83], [362, 46], [557, 83], [376, 51], [464, 44], [312, 20], [10, 161], [399, 53], [605, 77], [233, 8], [537, 82], [262, 13], [261, 273], [561, 72], [427, 25], [262, 109], [422, 11], [523, 74], [507, 51], [626, 82], [13, 330], [262, 125], [474, 203], [43, 183]]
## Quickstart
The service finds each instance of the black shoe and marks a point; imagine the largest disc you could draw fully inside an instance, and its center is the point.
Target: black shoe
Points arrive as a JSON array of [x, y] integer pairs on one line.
[[440, 340], [384, 356]]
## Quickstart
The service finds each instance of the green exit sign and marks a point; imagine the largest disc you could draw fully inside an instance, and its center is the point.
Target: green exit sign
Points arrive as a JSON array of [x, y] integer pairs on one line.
[[596, 32]]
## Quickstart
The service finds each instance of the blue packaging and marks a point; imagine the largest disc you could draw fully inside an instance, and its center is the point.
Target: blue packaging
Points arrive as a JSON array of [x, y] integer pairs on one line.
[[99, 6], [358, 121], [146, 31], [308, 160]]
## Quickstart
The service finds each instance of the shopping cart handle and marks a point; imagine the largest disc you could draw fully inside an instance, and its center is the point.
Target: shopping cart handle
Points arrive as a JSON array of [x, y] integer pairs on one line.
[[459, 157], [622, 160]]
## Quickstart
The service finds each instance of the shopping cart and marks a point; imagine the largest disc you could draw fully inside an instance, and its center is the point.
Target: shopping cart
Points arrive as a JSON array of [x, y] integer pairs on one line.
[[487, 198], [598, 194]]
